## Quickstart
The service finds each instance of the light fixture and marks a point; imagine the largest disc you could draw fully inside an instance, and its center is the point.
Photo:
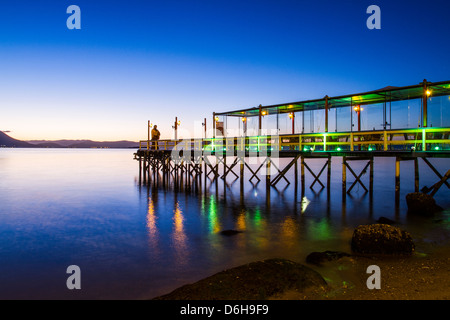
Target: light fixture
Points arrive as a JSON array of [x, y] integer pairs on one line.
[[358, 108], [264, 112], [217, 119], [244, 119], [291, 115], [428, 93], [179, 122]]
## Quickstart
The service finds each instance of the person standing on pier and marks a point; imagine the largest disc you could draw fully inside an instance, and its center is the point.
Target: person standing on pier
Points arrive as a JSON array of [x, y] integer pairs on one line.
[[155, 136]]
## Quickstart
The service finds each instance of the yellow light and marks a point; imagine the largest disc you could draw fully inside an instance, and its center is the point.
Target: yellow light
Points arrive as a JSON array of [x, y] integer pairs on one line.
[[428, 93], [357, 108], [264, 112], [244, 119], [179, 122], [217, 119], [291, 115]]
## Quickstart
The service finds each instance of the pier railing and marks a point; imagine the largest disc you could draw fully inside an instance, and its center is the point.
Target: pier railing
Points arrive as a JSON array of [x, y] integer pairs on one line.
[[420, 139]]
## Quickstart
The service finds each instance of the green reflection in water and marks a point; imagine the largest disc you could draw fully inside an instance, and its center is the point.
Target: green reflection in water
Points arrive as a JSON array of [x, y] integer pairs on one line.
[[214, 225], [319, 230]]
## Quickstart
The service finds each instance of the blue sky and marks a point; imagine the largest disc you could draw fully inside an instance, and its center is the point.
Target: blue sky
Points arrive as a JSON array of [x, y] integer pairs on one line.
[[134, 61]]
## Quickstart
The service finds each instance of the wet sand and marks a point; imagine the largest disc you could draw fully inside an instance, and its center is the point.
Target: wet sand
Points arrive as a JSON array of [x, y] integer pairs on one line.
[[419, 277]]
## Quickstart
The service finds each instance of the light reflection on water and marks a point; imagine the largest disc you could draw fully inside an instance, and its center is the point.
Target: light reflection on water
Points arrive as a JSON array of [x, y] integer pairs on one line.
[[87, 207]]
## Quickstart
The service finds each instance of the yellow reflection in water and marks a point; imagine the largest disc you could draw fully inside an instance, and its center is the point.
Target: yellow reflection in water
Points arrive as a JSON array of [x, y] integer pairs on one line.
[[240, 221], [179, 237], [153, 233], [288, 228]]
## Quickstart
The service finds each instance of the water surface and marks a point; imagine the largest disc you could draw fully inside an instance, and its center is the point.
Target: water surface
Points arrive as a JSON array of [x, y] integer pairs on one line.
[[86, 207]]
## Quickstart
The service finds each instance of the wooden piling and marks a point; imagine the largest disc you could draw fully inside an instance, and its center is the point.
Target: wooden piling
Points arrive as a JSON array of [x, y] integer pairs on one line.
[[397, 181], [329, 176], [241, 172], [371, 178], [296, 173], [416, 174], [344, 178], [302, 172], [268, 163]]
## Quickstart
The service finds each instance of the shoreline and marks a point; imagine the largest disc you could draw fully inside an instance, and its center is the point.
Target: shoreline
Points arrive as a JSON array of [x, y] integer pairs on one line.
[[423, 275], [418, 277]]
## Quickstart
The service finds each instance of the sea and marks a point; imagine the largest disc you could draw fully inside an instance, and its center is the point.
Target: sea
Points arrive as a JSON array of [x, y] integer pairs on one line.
[[132, 240]]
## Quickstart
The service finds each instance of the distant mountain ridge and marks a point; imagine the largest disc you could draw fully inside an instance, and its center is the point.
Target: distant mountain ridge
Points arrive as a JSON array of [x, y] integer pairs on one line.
[[9, 142]]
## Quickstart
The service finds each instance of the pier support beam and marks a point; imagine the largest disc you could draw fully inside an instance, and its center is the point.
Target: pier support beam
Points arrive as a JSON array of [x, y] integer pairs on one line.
[[317, 177], [346, 165], [397, 181]]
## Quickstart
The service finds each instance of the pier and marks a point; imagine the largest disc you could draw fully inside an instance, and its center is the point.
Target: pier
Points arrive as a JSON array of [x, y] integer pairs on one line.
[[256, 136]]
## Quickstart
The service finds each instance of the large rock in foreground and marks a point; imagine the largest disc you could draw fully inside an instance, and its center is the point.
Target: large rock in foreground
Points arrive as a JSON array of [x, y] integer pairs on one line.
[[422, 204], [254, 281], [382, 239]]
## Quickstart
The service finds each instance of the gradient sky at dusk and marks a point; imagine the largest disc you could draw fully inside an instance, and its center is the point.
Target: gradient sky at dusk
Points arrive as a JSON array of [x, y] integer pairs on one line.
[[134, 61]]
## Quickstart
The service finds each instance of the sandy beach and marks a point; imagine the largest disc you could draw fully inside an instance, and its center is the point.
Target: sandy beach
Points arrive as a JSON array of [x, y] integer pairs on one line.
[[419, 277]]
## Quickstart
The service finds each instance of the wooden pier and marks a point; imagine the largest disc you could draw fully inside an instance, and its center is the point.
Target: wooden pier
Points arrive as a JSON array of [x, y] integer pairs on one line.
[[188, 161]]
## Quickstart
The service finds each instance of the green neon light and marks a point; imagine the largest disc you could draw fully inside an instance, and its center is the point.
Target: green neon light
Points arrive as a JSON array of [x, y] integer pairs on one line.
[[436, 148], [338, 149]]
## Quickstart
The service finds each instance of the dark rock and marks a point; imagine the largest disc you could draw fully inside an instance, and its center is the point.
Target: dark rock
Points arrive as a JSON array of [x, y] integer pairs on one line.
[[254, 281], [381, 239], [318, 258], [384, 220], [421, 204], [230, 232]]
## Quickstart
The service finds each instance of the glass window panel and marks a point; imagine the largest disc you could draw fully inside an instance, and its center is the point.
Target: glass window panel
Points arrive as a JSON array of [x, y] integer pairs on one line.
[[404, 114], [332, 120], [439, 111], [252, 126], [319, 120], [343, 119], [371, 117], [285, 123]]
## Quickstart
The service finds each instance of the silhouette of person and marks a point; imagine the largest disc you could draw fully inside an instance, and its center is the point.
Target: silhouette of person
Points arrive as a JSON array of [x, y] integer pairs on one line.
[[155, 136]]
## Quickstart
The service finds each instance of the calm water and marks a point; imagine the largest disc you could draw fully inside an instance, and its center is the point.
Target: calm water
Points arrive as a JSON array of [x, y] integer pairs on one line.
[[87, 208]]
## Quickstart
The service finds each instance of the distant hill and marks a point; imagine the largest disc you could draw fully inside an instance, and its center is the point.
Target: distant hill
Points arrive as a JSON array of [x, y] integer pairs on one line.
[[60, 143], [105, 144], [7, 141], [83, 144]]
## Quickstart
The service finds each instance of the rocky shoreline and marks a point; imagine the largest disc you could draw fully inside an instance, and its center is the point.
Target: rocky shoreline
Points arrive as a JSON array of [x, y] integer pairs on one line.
[[405, 274]]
